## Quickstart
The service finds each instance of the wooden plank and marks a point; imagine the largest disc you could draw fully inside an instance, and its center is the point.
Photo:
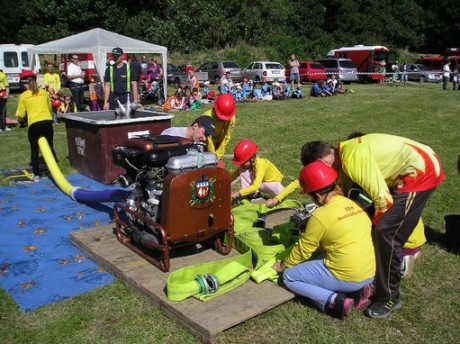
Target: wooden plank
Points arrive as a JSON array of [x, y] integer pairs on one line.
[[221, 313]]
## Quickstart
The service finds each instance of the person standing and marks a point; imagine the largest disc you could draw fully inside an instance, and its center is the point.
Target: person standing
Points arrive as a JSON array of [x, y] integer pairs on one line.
[[445, 74], [4, 94], [52, 83], [119, 82], [400, 175], [295, 76], [403, 80], [34, 106], [76, 76]]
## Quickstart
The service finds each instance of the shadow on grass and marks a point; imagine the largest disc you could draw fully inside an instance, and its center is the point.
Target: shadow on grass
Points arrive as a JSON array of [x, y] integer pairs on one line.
[[434, 236]]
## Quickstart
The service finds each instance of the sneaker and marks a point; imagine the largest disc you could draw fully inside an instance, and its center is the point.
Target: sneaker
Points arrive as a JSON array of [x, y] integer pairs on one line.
[[36, 179], [7, 129], [341, 307], [363, 299], [407, 266], [382, 309]]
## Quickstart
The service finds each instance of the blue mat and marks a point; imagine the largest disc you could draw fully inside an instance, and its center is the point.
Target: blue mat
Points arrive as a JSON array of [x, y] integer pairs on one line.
[[38, 263]]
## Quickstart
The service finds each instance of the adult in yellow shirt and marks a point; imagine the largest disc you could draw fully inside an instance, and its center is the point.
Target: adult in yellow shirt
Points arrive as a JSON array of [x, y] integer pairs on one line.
[[400, 175], [223, 115], [341, 231], [4, 93], [52, 83], [34, 106], [257, 174]]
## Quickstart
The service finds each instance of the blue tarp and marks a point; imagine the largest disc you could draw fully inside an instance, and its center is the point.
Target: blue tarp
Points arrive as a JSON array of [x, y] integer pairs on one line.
[[38, 263]]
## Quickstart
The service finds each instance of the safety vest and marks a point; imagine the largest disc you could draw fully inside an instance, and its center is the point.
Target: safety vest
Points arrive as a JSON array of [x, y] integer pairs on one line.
[[128, 79]]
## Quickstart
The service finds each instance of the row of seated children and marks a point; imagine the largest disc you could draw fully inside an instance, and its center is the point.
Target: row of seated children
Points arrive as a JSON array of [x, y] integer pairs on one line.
[[250, 91], [328, 88], [181, 101]]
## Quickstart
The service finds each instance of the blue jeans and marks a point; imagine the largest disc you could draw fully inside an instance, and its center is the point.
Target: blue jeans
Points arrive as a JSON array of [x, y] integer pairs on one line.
[[313, 279]]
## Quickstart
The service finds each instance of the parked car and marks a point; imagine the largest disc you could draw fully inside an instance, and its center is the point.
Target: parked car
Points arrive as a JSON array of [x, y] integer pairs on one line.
[[308, 71], [344, 69], [216, 69], [419, 72], [264, 69], [177, 77]]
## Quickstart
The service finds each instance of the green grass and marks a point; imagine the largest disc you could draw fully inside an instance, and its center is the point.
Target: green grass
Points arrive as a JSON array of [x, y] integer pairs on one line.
[[431, 298]]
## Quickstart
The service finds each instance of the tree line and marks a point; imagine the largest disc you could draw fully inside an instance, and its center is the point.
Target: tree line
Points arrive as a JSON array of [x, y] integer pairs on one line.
[[312, 27]]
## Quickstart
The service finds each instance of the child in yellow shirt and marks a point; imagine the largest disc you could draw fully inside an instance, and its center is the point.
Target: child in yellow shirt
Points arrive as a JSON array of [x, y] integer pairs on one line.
[[257, 174]]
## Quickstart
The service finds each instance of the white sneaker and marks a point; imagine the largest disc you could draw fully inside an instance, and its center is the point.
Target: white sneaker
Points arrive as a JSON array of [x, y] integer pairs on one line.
[[36, 179], [7, 129]]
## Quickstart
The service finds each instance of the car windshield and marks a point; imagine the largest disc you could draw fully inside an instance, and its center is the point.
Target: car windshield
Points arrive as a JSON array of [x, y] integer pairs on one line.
[[230, 64], [347, 64], [316, 66], [422, 67], [274, 66]]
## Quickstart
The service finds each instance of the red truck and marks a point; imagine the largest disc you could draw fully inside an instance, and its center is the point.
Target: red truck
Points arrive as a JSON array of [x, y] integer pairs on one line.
[[366, 58], [436, 61], [87, 65]]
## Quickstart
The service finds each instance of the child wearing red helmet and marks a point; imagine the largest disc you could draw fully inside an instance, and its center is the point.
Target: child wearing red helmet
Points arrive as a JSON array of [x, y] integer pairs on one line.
[[342, 274], [223, 115], [34, 107], [257, 174]]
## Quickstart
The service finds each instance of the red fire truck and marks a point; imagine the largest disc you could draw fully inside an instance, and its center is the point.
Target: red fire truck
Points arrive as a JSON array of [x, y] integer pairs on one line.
[[366, 58], [436, 61]]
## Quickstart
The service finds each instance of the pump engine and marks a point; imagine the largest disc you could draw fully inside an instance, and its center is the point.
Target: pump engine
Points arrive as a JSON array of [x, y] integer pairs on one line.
[[178, 197]]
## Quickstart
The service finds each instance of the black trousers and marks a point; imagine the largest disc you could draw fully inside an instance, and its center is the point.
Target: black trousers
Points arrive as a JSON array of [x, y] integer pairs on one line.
[[37, 130], [2, 113], [390, 235], [78, 91]]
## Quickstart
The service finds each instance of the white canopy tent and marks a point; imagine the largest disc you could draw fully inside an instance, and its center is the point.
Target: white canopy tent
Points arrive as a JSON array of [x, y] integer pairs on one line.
[[99, 42]]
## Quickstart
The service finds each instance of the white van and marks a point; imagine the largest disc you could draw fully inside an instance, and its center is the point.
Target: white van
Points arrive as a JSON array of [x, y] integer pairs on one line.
[[13, 59]]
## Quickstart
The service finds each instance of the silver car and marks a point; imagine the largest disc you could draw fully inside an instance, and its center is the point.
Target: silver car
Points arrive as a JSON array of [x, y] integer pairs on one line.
[[217, 68], [418, 72], [344, 69]]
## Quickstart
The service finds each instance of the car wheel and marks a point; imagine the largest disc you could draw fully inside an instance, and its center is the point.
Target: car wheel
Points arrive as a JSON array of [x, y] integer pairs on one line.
[[258, 79], [177, 83], [422, 78]]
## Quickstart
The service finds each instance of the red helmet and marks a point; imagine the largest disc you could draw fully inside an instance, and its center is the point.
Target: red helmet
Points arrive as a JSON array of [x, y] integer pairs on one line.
[[316, 176], [244, 150], [56, 103], [225, 107], [27, 74]]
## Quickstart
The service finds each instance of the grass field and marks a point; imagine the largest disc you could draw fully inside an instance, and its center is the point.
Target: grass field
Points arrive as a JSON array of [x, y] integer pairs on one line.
[[431, 298]]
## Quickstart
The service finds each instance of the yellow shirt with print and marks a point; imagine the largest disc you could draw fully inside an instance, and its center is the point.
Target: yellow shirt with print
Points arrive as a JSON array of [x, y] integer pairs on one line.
[[343, 231]]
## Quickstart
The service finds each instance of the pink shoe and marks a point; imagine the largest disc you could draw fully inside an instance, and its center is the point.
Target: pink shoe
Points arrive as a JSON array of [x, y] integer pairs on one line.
[[342, 306], [365, 294]]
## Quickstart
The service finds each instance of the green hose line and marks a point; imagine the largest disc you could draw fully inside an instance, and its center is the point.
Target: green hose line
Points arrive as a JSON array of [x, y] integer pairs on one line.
[[208, 280], [229, 274]]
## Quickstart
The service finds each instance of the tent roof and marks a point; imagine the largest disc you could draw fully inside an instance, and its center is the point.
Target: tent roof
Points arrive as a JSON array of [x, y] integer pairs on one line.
[[99, 42], [98, 39]]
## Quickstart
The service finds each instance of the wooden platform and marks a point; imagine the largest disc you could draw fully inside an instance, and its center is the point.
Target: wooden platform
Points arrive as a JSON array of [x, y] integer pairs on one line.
[[205, 320]]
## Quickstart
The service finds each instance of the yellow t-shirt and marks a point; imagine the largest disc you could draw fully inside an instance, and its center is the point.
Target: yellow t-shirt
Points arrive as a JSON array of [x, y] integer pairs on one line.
[[52, 81], [37, 107], [223, 134], [264, 171], [3, 81], [343, 231]]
